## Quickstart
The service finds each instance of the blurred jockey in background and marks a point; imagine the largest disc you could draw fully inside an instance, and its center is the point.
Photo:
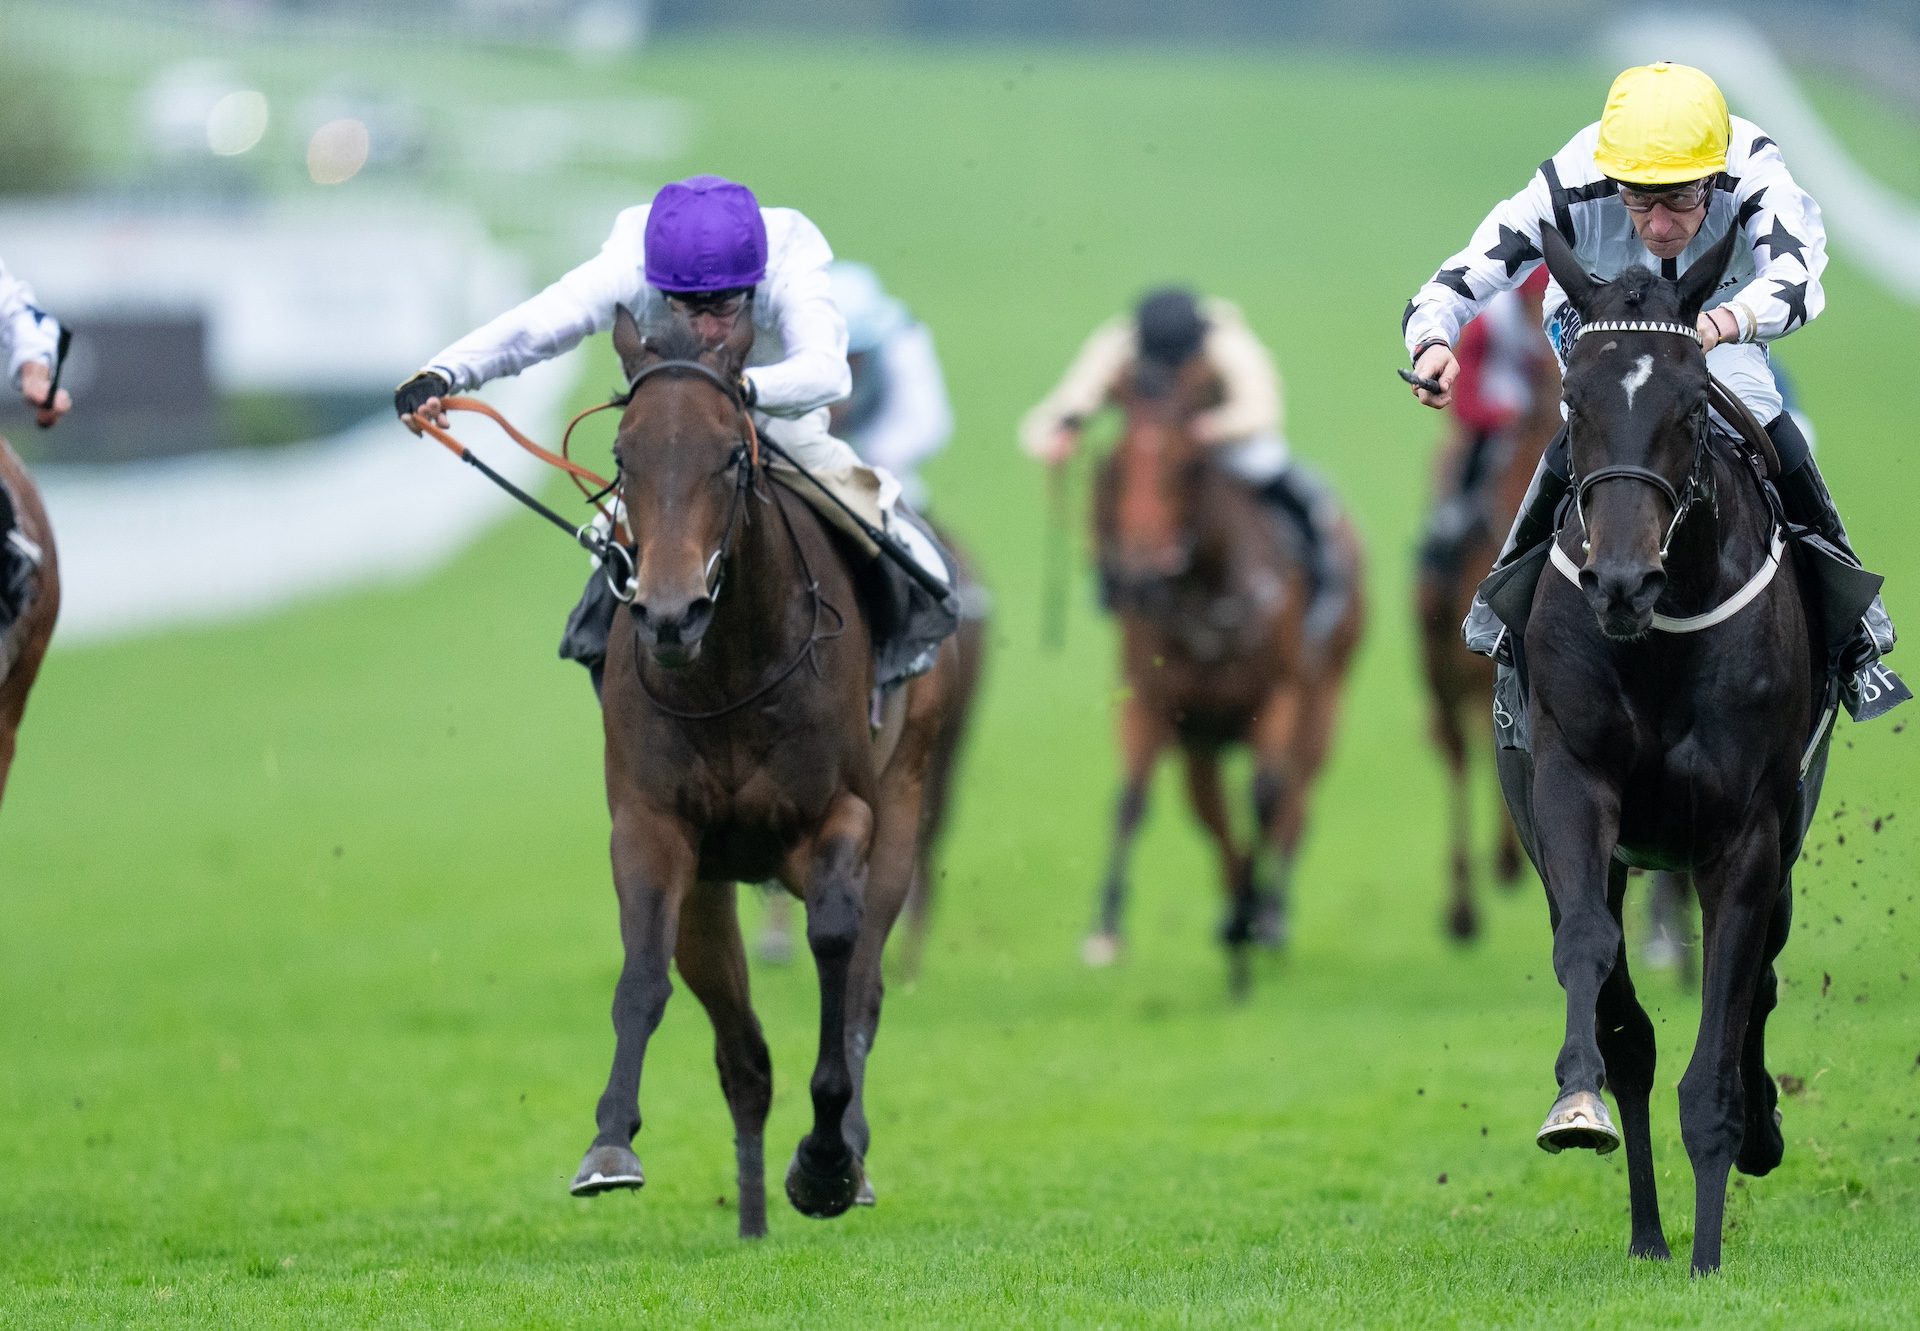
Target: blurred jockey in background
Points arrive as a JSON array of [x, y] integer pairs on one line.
[[898, 415], [1662, 175], [1168, 328], [31, 339], [706, 252]]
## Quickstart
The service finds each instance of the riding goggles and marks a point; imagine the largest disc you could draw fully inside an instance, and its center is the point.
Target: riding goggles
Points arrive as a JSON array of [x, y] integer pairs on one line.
[[1682, 198], [720, 304]]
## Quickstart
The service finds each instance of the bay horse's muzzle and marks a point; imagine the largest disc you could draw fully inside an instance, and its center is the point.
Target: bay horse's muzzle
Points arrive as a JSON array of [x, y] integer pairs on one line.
[[672, 627], [1622, 594]]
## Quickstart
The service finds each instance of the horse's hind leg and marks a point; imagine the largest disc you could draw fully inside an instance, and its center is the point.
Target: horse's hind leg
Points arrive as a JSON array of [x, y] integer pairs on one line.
[[1739, 903], [1142, 736], [824, 1178], [1627, 1045], [713, 961], [653, 867], [1762, 1146]]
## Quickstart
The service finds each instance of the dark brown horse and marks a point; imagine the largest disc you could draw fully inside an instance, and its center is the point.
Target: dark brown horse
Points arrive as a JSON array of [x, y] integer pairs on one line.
[[1452, 562], [1212, 593], [739, 747], [23, 645], [1672, 708]]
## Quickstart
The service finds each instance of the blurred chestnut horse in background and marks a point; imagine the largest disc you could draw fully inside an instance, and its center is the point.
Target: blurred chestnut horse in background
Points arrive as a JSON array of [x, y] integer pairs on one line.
[[1479, 479], [23, 644], [1212, 590]]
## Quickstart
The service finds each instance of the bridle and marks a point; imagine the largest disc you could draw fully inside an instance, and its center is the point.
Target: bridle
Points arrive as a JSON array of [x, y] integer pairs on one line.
[[1680, 499], [746, 464]]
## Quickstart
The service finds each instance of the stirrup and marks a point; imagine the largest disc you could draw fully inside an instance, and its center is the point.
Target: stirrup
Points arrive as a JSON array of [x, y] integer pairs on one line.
[[1484, 633]]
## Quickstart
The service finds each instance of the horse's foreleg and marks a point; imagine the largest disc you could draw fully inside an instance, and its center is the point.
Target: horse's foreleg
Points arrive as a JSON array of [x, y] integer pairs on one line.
[[1627, 1044], [653, 867], [1463, 922], [899, 831], [824, 1177], [1279, 809], [1210, 806], [713, 961], [1739, 901], [1762, 1146], [1579, 818], [1142, 736]]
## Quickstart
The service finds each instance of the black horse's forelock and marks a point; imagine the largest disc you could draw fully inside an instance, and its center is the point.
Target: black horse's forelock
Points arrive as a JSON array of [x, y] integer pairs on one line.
[[1638, 292]]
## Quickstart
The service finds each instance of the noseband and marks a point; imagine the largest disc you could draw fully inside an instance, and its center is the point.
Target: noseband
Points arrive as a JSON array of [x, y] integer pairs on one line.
[[1681, 499]]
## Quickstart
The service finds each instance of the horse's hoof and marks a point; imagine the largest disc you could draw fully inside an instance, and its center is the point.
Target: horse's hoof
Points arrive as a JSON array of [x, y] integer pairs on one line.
[[1270, 929], [1100, 950], [1578, 1121], [824, 1196], [1650, 1250], [865, 1196], [606, 1168], [1463, 925]]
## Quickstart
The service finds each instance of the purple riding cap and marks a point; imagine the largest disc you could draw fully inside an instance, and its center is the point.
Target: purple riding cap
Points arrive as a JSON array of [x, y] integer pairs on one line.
[[705, 234]]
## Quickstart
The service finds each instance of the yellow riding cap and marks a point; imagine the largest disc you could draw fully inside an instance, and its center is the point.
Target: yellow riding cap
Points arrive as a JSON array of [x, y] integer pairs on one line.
[[1664, 124]]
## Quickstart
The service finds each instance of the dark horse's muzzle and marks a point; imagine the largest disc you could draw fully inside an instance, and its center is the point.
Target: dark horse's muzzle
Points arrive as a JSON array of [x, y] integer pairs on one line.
[[1622, 593], [671, 627]]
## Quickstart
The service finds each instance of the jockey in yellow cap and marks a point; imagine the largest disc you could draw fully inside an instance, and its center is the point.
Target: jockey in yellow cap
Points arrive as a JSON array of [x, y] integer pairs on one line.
[[1662, 175]]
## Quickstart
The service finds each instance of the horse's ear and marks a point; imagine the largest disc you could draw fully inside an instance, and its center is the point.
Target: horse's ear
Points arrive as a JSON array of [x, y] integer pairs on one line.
[[1565, 267], [739, 344], [628, 343], [1703, 275]]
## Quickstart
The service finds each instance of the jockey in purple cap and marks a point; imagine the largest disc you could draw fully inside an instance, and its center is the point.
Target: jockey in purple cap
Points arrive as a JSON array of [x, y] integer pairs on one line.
[[705, 251]]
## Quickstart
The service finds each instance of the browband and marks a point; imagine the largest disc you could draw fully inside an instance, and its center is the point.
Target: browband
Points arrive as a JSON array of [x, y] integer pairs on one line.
[[1637, 326]]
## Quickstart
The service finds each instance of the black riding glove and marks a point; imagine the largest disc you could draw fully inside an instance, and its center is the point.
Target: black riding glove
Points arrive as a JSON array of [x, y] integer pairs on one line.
[[413, 394], [748, 393]]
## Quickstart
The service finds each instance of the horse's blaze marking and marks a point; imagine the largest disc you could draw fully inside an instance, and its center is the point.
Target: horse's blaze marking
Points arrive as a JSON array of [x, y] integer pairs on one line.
[[1633, 382]]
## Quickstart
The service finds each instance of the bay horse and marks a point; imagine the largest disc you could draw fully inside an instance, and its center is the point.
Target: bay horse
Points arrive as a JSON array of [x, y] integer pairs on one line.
[[1212, 590], [739, 747], [1460, 682], [23, 645], [1658, 746]]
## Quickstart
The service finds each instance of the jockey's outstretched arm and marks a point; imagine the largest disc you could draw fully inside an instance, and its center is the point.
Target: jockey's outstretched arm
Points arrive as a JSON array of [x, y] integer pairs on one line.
[[31, 339]]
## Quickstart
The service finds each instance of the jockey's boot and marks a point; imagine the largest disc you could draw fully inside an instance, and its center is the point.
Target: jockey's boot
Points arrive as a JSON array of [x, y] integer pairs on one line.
[[1304, 499], [1483, 631], [1804, 496]]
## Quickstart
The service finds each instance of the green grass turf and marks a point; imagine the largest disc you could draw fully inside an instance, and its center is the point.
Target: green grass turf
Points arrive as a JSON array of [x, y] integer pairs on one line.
[[308, 939]]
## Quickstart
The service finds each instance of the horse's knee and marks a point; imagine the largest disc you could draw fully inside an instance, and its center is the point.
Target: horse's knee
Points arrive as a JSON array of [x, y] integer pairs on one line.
[[1269, 789], [641, 995], [833, 919]]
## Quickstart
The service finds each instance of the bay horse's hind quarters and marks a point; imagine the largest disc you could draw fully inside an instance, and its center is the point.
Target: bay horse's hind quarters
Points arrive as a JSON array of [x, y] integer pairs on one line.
[[737, 704], [1664, 750], [1212, 590], [33, 596]]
